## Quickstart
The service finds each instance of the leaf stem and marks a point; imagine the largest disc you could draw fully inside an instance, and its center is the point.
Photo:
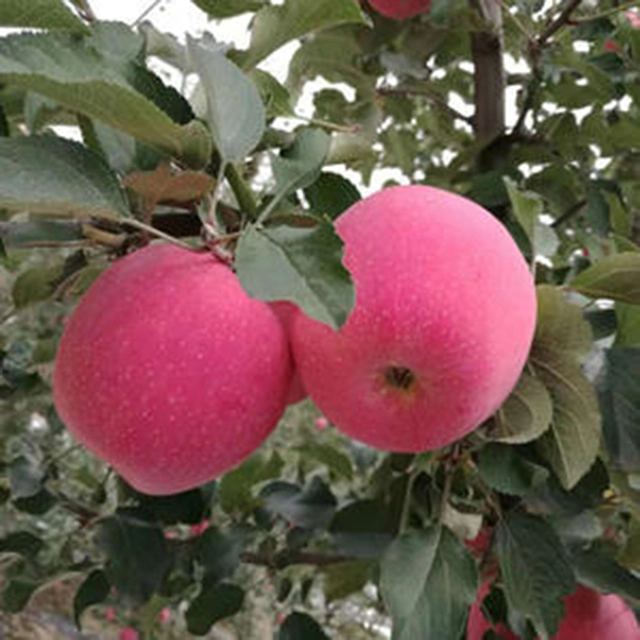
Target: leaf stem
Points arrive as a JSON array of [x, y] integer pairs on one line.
[[242, 191], [406, 504]]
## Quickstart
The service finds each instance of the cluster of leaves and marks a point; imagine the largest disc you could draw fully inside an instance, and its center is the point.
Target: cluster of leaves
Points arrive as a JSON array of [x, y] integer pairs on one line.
[[551, 479]]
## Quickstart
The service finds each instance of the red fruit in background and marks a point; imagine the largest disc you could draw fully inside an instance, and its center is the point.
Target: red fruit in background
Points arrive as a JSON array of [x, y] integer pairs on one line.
[[611, 45], [168, 371], [589, 615], [285, 312], [400, 9], [443, 322], [129, 633]]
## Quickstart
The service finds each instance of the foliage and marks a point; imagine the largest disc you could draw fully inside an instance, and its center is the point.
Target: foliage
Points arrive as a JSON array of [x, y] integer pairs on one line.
[[328, 524]]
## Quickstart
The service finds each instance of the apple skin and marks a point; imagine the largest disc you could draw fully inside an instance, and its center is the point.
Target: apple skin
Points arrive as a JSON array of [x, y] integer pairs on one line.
[[169, 372], [285, 312], [442, 325], [400, 9], [589, 615]]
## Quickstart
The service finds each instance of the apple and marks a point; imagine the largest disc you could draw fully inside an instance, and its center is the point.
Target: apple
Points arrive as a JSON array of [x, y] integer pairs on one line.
[[169, 372], [400, 9], [442, 325], [285, 312], [589, 615]]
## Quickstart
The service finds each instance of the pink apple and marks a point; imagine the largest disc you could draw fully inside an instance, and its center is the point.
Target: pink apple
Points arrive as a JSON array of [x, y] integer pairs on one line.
[[589, 615], [443, 322], [633, 16], [285, 311], [400, 9], [168, 371]]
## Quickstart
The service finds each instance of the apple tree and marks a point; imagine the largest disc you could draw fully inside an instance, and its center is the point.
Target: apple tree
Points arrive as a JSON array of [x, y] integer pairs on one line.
[[517, 529]]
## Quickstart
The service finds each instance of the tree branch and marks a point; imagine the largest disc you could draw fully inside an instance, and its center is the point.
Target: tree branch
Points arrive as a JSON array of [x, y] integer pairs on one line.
[[429, 95], [489, 75], [286, 558], [559, 22]]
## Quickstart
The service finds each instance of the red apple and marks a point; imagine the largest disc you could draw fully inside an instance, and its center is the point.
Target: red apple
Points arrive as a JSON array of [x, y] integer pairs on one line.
[[285, 312], [400, 9], [589, 615], [443, 322], [168, 371]]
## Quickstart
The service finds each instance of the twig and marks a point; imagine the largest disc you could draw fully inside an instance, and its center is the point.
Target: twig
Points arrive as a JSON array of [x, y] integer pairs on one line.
[[145, 13], [132, 222], [569, 213], [606, 14], [287, 558], [430, 95], [559, 22]]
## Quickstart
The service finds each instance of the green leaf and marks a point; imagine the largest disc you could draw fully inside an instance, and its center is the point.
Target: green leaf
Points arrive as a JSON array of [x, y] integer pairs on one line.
[[331, 194], [535, 568], [219, 553], [597, 569], [22, 542], [20, 234], [311, 508], [228, 8], [506, 471], [235, 490], [627, 325], [17, 594], [363, 529], [345, 578], [560, 328], [300, 626], [39, 14], [94, 590], [336, 461], [428, 581], [524, 416], [274, 26], [619, 395], [213, 603], [616, 277], [137, 554], [35, 285], [26, 476], [56, 176], [235, 113], [298, 166], [571, 444], [125, 96], [301, 265], [188, 507], [527, 207], [275, 97]]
